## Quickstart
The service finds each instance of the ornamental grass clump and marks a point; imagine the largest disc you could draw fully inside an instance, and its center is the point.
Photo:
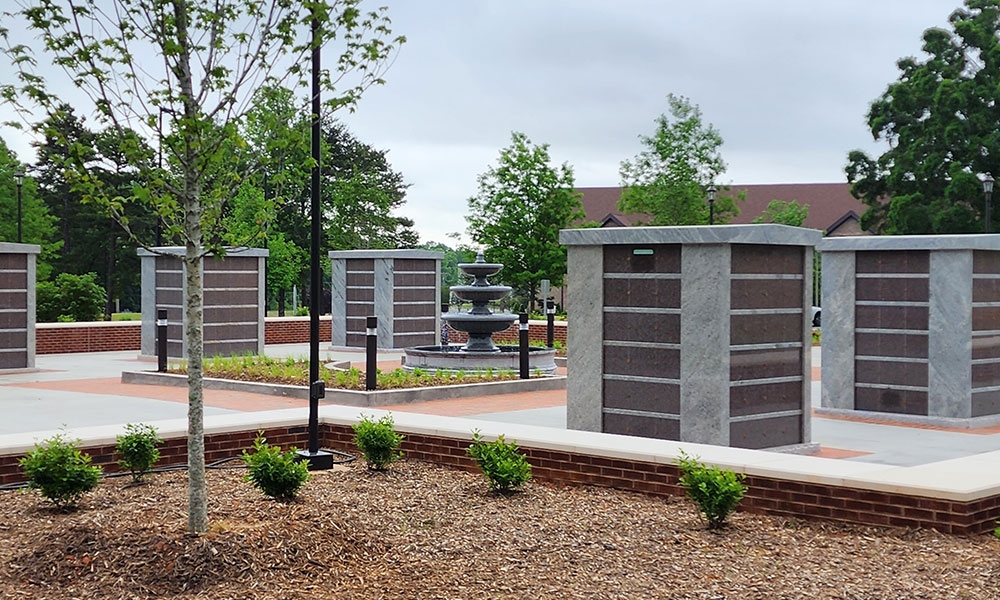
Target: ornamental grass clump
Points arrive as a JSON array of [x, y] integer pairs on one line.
[[378, 441], [138, 449], [502, 462], [277, 474], [60, 471], [714, 491]]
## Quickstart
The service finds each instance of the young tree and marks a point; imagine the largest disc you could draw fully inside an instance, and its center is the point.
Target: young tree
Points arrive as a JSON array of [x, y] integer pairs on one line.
[[784, 213], [197, 61], [669, 180], [521, 205], [939, 120]]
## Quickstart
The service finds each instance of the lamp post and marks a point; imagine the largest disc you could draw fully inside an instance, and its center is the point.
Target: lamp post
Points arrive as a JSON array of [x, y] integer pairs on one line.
[[19, 179], [988, 192], [711, 204]]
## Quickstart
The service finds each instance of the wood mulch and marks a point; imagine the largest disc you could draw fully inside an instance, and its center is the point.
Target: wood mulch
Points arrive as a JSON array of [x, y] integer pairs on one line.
[[424, 531]]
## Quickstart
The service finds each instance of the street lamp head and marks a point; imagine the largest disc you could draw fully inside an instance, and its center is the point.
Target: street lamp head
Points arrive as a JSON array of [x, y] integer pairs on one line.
[[988, 184], [19, 176], [711, 193]]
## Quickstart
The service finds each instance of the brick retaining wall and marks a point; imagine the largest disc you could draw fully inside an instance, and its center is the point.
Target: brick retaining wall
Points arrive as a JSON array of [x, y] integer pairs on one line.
[[766, 495]]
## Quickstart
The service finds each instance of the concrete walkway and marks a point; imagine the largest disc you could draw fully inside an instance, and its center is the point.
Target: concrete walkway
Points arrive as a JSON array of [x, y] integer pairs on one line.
[[83, 390]]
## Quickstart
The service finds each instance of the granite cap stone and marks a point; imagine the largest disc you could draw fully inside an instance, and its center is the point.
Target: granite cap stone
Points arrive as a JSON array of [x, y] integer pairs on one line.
[[782, 235], [179, 251], [13, 248], [393, 253], [855, 243]]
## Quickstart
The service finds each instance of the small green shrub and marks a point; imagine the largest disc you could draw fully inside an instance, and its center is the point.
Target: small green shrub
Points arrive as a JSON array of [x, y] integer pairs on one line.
[[378, 441], [715, 492], [501, 462], [275, 473], [58, 469], [69, 298], [138, 449]]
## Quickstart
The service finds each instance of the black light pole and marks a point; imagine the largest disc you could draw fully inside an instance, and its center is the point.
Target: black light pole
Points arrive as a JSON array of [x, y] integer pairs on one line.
[[988, 192], [316, 458], [19, 179], [711, 204]]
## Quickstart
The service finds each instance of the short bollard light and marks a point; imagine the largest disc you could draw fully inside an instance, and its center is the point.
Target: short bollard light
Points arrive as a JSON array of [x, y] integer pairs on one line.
[[161, 340], [522, 338], [550, 316], [371, 353]]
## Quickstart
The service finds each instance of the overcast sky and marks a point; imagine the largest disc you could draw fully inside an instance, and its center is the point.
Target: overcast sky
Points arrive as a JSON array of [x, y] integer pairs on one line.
[[786, 82]]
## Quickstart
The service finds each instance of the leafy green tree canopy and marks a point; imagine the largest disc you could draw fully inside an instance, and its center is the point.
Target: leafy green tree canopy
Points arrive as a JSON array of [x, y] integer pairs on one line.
[[784, 213], [669, 180], [940, 122], [517, 213]]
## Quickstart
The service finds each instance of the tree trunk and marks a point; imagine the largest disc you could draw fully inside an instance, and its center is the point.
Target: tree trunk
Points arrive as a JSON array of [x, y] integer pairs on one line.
[[193, 324], [109, 292]]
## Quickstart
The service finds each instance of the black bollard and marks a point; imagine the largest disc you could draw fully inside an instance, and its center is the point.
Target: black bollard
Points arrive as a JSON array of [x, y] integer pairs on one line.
[[522, 339], [550, 315], [371, 353], [161, 340]]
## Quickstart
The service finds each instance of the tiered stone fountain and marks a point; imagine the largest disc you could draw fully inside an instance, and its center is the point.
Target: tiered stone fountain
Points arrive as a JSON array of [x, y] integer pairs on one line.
[[480, 323]]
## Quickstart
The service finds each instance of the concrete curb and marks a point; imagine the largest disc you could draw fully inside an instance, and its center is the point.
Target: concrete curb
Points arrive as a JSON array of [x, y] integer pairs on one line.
[[357, 398]]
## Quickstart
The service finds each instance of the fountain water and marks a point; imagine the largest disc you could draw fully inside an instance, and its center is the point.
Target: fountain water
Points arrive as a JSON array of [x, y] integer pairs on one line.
[[480, 323]]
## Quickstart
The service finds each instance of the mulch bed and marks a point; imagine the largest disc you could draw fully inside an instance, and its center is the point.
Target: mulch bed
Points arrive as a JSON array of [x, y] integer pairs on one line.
[[424, 531]]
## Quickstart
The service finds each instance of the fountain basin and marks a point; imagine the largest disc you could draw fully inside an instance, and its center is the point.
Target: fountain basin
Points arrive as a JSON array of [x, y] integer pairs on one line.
[[453, 359]]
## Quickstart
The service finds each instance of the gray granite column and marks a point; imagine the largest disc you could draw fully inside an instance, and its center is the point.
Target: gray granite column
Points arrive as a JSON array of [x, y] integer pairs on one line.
[[437, 313], [147, 262], [585, 338], [384, 292], [705, 338], [338, 302], [949, 343], [31, 306], [807, 302], [261, 302], [838, 330]]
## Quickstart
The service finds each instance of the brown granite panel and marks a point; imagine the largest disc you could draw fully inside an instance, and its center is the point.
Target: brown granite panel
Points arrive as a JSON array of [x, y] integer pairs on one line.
[[893, 290], [216, 332], [175, 348], [986, 347], [985, 318], [233, 262], [360, 279], [985, 403], [15, 281], [766, 259], [405, 341], [360, 264], [168, 263], [985, 374], [13, 260], [14, 320], [170, 279], [356, 340], [360, 310], [231, 297], [13, 339], [892, 261], [231, 314], [763, 293], [13, 360], [175, 330], [986, 290], [360, 294], [13, 299], [173, 297], [763, 364], [649, 427], [904, 402], [642, 362], [986, 261], [643, 395], [642, 327], [356, 324], [412, 295], [763, 329], [764, 398], [666, 258], [413, 325], [891, 317], [243, 279], [644, 293], [903, 345], [766, 433], [414, 310], [413, 279], [413, 264], [224, 348], [890, 373]]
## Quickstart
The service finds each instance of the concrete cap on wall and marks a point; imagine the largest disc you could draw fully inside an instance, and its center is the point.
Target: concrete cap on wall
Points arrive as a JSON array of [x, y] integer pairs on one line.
[[12, 248], [783, 235], [853, 243], [397, 253], [179, 251]]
